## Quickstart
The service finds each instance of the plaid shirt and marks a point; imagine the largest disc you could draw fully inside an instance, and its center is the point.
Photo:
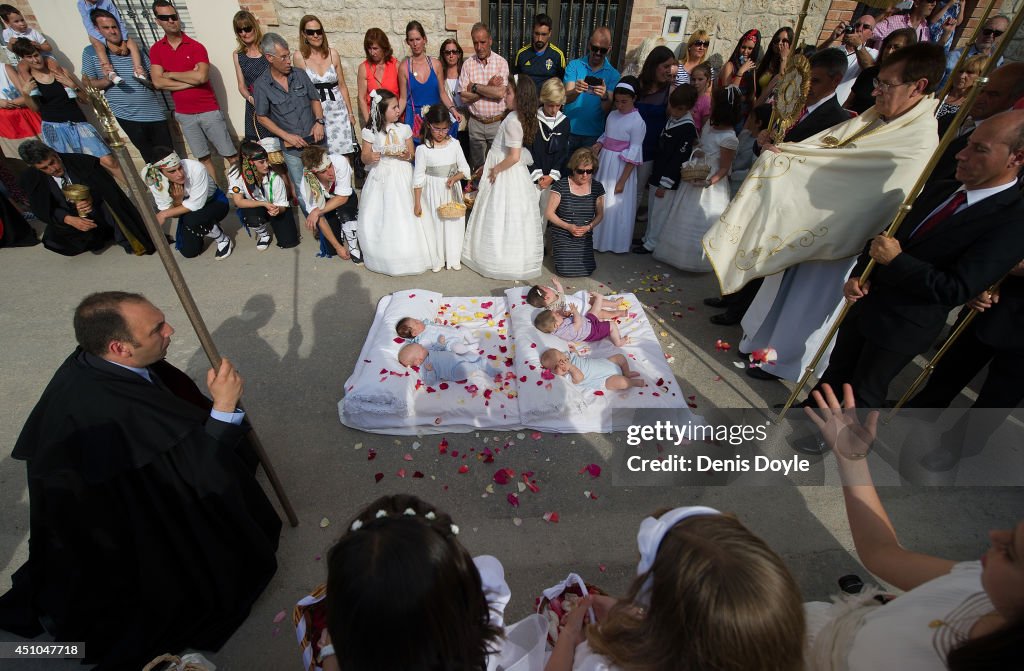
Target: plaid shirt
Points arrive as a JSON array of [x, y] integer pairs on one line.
[[474, 71], [897, 22]]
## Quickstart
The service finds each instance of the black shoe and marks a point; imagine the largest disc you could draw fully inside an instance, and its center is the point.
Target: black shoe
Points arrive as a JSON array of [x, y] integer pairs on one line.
[[725, 319], [358, 260], [716, 302], [640, 249], [759, 373], [810, 445]]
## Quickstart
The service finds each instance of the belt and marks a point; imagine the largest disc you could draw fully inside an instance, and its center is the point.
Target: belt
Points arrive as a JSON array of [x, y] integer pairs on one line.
[[326, 89], [486, 120], [441, 170]]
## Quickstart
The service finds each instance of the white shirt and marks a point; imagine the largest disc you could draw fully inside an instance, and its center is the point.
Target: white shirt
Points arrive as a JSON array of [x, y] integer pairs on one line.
[[853, 69], [271, 189], [342, 185], [974, 196], [198, 188]]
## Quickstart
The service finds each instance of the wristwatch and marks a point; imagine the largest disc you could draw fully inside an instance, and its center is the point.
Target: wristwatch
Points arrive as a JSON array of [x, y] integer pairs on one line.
[[321, 121], [473, 88]]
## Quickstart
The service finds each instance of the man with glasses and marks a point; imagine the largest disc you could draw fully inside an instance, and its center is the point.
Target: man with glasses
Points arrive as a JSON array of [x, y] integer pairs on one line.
[[482, 87], [853, 42], [140, 112], [589, 82], [181, 65], [287, 104], [987, 40], [540, 60]]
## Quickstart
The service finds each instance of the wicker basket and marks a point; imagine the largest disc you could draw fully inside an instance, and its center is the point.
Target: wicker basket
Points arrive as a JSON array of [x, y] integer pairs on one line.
[[696, 169], [451, 210]]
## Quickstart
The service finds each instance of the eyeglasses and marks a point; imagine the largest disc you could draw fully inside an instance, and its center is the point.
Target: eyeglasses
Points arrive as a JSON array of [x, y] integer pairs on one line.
[[313, 31], [600, 51], [166, 17], [243, 29], [701, 43], [885, 86], [451, 52], [990, 32], [584, 171], [863, 26], [440, 130]]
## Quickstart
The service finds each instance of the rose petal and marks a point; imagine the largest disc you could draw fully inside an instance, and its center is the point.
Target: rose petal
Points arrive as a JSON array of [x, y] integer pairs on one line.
[[378, 477], [593, 469], [551, 517], [324, 523], [442, 447], [513, 500], [279, 617], [371, 454], [408, 457], [518, 521], [417, 474], [463, 469]]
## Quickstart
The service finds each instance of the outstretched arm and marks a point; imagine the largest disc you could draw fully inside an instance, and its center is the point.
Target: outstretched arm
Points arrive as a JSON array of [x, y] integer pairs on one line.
[[873, 533]]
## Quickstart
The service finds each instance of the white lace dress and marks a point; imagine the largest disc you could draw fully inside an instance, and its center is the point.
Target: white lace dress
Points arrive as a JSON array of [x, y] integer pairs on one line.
[[695, 208], [505, 238], [392, 239]]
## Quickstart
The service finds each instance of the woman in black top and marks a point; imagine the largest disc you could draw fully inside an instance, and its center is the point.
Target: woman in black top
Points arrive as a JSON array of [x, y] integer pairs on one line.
[[58, 94], [576, 206]]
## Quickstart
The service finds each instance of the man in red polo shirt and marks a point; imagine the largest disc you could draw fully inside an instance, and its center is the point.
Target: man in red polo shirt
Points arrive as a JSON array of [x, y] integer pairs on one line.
[[180, 65]]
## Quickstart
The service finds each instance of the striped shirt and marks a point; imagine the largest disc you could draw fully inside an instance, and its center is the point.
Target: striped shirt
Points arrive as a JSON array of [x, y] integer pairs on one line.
[[474, 71], [128, 100]]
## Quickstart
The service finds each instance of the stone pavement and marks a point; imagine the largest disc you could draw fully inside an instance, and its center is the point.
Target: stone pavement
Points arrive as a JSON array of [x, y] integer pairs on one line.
[[294, 325]]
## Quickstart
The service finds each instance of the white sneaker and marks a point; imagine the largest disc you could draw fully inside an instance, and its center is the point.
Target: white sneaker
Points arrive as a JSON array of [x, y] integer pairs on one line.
[[224, 249], [263, 241]]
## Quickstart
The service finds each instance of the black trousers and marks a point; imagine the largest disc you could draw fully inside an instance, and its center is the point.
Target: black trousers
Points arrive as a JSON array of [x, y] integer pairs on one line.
[[866, 366], [67, 240], [146, 135], [283, 225], [193, 227]]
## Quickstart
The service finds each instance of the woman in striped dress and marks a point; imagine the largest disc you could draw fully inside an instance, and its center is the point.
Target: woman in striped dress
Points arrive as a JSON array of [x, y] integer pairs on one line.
[[249, 65], [575, 207]]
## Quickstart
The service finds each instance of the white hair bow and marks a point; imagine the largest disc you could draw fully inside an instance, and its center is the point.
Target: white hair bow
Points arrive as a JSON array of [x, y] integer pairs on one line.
[[652, 531]]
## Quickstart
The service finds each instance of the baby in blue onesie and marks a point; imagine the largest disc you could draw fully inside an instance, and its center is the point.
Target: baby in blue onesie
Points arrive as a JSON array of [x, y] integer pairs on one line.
[[429, 333], [437, 364], [612, 373]]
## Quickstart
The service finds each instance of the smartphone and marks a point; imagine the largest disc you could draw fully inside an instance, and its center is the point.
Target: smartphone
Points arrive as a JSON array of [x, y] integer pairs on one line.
[[591, 80]]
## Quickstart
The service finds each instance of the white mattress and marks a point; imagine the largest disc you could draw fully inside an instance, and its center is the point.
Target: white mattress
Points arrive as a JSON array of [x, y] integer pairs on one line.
[[383, 397]]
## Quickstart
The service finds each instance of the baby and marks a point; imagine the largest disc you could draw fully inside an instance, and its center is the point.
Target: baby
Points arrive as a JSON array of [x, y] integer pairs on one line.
[[555, 300], [612, 373], [437, 364], [576, 328], [429, 333]]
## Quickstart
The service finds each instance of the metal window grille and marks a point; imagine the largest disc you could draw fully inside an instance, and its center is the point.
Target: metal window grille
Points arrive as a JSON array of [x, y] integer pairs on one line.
[[511, 24], [138, 18]]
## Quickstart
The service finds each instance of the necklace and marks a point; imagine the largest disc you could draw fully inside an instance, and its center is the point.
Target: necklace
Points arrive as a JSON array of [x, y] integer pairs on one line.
[[416, 73]]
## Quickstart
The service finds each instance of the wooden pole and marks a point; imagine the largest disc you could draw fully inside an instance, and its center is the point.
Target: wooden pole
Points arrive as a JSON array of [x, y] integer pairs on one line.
[[139, 195]]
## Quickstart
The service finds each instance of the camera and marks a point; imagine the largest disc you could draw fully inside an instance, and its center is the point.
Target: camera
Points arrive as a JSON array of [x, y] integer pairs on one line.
[[851, 583], [850, 29]]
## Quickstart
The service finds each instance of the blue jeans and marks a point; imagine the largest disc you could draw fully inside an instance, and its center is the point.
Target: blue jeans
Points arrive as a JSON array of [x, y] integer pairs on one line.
[[293, 161]]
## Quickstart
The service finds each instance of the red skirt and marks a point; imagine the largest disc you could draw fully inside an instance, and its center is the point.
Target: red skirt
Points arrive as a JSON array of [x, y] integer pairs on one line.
[[19, 123]]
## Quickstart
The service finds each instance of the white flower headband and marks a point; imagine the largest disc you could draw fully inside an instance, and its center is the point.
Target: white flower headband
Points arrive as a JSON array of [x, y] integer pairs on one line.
[[409, 512], [627, 86], [652, 531], [375, 99]]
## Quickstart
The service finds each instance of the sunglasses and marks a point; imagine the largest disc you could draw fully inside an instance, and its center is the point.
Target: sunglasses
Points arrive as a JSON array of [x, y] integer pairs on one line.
[[244, 29], [451, 52], [600, 51], [166, 17], [313, 31], [863, 26], [784, 41], [584, 171], [701, 43], [989, 32]]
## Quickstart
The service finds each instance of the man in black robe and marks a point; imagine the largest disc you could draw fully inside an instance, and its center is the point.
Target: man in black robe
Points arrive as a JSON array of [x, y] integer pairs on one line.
[[70, 229], [148, 530]]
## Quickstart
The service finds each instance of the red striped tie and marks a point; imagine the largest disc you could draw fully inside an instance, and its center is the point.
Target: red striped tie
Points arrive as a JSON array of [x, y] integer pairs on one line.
[[959, 198]]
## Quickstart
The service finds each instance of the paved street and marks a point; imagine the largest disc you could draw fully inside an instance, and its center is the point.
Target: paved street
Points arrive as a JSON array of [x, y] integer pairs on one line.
[[294, 325]]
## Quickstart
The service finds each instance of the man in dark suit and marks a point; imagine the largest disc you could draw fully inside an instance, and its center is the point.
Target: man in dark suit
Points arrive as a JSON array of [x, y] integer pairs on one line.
[[821, 111], [1005, 86], [957, 240], [148, 531], [85, 226]]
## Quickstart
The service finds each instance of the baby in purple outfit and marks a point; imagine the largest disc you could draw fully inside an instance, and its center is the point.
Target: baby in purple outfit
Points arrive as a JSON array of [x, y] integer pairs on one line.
[[579, 328]]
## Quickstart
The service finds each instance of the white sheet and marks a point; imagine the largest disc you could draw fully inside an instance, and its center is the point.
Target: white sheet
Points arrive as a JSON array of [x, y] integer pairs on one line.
[[383, 397]]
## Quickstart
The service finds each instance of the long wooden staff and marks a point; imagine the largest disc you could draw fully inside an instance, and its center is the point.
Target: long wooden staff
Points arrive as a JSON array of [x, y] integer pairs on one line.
[[930, 368], [137, 191], [908, 201]]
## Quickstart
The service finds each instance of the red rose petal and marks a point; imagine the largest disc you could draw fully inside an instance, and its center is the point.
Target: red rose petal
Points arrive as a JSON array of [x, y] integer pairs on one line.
[[551, 517], [401, 473], [443, 446], [513, 500], [417, 474], [378, 477], [463, 469], [371, 454]]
